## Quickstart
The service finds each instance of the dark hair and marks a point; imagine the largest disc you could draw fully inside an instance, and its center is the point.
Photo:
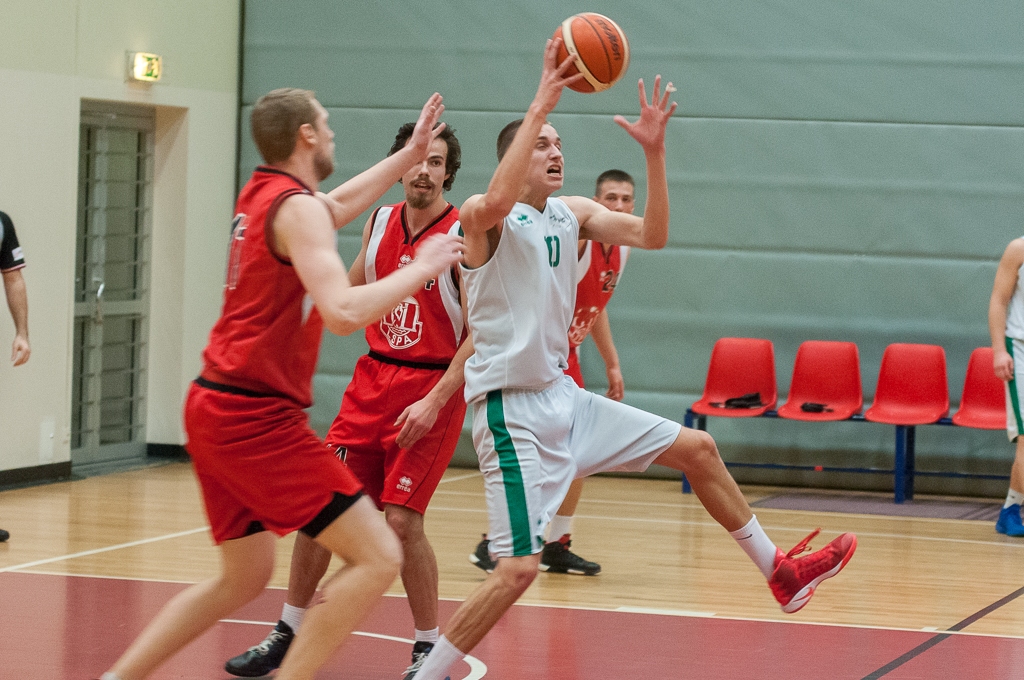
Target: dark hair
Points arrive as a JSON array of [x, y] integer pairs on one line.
[[276, 119], [452, 162], [612, 176], [505, 137]]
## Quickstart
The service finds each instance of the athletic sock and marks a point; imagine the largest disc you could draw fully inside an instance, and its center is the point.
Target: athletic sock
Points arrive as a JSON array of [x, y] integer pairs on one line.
[[292, 616], [1013, 498], [561, 525], [427, 635], [442, 657], [757, 545]]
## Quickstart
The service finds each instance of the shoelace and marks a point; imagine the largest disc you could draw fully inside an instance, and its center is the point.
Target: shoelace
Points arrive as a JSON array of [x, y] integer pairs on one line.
[[803, 545], [264, 647], [417, 663]]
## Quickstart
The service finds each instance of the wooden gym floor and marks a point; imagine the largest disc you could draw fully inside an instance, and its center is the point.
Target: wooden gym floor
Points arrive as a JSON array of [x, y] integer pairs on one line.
[[90, 561]]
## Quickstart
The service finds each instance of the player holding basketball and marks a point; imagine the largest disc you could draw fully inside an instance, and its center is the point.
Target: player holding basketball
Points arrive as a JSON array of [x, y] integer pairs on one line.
[[402, 414], [534, 428], [600, 268], [1006, 328], [262, 470]]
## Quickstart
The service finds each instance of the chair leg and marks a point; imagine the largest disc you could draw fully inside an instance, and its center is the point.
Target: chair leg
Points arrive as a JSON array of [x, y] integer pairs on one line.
[[702, 424], [911, 434], [900, 465], [688, 422]]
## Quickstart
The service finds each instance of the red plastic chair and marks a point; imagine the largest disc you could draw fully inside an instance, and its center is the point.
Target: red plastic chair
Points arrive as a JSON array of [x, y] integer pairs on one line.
[[912, 386], [739, 366], [827, 373], [912, 390], [983, 404]]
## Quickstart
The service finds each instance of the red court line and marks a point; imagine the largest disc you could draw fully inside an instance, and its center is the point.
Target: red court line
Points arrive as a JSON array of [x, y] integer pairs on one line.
[[73, 627]]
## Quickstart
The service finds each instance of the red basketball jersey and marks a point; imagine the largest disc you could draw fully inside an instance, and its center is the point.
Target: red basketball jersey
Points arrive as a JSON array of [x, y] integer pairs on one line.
[[268, 336], [599, 274], [428, 326]]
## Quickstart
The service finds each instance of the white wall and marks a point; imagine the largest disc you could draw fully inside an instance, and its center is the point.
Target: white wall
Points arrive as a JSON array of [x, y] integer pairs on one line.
[[54, 54]]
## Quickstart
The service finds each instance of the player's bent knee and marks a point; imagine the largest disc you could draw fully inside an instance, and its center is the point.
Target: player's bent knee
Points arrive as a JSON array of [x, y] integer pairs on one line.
[[407, 524], [517, 573], [387, 559], [693, 451]]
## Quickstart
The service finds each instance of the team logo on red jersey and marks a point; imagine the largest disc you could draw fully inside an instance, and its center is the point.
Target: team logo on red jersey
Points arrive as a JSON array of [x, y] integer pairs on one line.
[[582, 323], [402, 326]]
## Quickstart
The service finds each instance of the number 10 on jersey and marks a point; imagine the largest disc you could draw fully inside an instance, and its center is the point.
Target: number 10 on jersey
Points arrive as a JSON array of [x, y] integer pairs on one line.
[[554, 250]]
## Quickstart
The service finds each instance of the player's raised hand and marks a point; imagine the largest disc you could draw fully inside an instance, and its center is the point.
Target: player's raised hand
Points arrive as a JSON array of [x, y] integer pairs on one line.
[[427, 127], [649, 130], [440, 252], [552, 78]]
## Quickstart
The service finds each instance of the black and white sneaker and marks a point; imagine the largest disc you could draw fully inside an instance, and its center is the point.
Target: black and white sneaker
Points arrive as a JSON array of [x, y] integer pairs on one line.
[[266, 656], [481, 557], [556, 558]]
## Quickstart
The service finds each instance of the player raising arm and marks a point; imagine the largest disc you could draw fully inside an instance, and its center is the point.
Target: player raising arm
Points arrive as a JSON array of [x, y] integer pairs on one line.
[[262, 471], [534, 429]]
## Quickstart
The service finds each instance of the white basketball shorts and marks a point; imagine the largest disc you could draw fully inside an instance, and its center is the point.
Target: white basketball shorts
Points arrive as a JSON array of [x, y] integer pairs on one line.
[[532, 444]]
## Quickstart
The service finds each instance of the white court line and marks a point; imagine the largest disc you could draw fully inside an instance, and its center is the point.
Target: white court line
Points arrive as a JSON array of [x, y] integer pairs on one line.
[[665, 612], [477, 668], [459, 479], [109, 548]]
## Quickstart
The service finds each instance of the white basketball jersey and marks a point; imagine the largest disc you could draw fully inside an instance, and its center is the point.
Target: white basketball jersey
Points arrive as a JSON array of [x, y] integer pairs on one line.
[[521, 302], [1015, 311]]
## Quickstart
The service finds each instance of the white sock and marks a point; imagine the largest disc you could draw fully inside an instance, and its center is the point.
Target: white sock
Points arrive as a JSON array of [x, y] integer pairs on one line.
[[427, 635], [757, 545], [560, 526], [1013, 498], [292, 616], [442, 657], [109, 676]]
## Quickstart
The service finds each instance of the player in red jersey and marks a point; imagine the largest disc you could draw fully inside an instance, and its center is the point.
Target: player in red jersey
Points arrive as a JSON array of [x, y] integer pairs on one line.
[[262, 470], [403, 411], [600, 268]]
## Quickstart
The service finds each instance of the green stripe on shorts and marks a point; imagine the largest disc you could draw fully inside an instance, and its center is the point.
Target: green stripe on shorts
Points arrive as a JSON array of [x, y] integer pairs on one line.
[[1014, 399], [512, 476]]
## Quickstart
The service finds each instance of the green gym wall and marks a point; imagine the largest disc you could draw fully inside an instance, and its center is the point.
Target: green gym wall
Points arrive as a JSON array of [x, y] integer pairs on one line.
[[838, 170]]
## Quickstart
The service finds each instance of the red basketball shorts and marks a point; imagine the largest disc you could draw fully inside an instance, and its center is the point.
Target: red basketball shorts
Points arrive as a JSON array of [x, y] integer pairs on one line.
[[365, 429], [258, 461], [574, 370]]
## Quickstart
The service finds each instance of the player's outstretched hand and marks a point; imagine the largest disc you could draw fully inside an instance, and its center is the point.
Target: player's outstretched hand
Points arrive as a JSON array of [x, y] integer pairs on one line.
[[440, 252], [427, 128], [649, 130], [552, 78]]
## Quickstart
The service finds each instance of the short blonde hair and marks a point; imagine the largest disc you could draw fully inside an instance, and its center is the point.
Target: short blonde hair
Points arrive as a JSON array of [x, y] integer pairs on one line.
[[276, 120]]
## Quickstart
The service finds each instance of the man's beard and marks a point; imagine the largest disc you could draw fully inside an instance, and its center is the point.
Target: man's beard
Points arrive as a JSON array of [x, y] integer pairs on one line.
[[419, 201], [324, 166]]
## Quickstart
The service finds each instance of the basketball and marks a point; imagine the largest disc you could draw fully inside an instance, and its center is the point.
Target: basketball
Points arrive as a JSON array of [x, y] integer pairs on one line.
[[599, 48]]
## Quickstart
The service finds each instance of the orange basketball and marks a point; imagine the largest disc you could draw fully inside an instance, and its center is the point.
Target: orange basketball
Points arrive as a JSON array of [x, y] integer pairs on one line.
[[599, 47]]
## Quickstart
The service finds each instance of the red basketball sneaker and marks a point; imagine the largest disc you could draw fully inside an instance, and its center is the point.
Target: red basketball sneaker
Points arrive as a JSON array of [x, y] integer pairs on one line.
[[795, 578]]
